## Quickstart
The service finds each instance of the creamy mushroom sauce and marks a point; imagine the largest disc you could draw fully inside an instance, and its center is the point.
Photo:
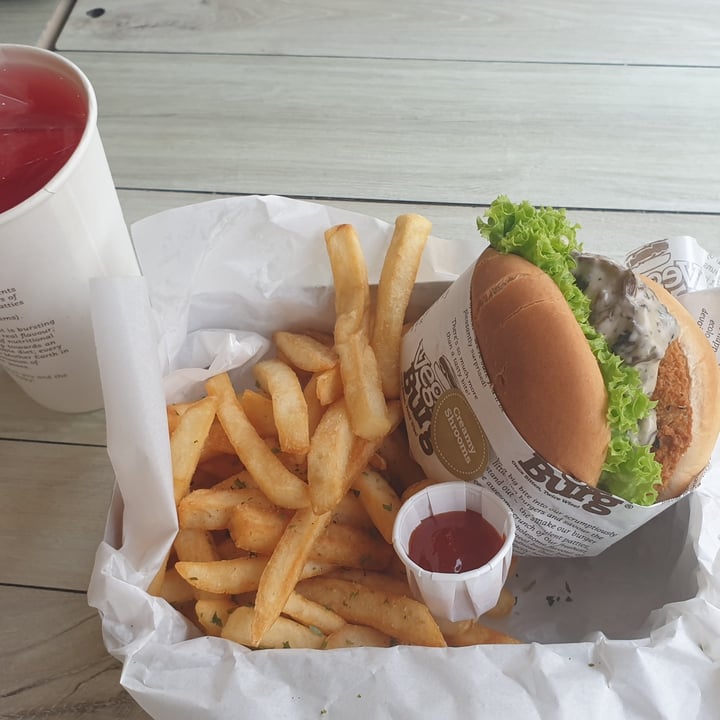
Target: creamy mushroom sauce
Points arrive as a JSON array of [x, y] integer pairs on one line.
[[635, 324]]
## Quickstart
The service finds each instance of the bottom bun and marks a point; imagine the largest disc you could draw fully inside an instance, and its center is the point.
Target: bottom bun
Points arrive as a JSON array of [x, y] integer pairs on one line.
[[687, 429]]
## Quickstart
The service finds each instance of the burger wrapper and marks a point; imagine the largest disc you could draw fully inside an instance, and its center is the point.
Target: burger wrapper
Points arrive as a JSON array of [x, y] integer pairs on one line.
[[458, 429], [219, 277], [690, 273]]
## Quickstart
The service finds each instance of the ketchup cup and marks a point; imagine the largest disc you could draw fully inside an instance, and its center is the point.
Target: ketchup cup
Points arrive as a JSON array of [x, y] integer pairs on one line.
[[461, 595]]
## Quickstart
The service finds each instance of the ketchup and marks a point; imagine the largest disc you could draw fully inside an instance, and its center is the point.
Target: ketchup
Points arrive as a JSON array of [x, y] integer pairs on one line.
[[454, 542]]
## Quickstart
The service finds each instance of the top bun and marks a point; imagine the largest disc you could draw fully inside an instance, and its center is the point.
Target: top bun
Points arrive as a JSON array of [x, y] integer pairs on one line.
[[540, 364]]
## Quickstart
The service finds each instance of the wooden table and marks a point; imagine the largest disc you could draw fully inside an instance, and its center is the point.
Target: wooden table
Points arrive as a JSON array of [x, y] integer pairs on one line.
[[609, 109]]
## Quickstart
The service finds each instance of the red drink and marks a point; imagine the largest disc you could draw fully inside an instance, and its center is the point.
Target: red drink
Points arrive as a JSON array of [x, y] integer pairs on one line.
[[42, 118]]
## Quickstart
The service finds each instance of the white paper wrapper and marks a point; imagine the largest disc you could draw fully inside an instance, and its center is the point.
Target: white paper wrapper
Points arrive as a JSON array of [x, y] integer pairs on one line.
[[458, 428], [632, 633]]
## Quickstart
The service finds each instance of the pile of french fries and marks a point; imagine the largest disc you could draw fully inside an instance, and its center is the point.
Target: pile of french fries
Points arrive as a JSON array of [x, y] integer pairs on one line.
[[286, 494]]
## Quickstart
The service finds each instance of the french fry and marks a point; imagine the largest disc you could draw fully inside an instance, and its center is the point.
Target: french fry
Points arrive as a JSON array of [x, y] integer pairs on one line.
[[284, 568], [374, 580], [224, 577], [305, 352], [289, 406], [397, 279], [175, 589], [350, 635], [328, 458], [379, 499], [257, 525], [401, 469], [228, 550], [259, 410], [504, 605], [311, 614], [316, 409], [236, 576], [296, 464], [377, 462], [417, 487], [186, 443], [350, 511], [216, 442], [314, 568], [352, 292], [396, 615], [362, 388], [396, 568], [238, 481], [281, 633], [194, 545], [213, 614], [469, 632], [329, 386], [174, 413], [156, 583], [210, 509], [276, 481], [358, 366], [353, 547], [325, 338], [363, 450]]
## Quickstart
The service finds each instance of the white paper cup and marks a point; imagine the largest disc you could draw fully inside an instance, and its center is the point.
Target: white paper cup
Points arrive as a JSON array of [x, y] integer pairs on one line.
[[456, 596], [51, 244]]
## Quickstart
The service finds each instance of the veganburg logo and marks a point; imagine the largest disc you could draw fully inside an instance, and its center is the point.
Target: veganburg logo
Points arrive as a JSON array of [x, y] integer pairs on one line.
[[655, 261], [422, 387], [556, 482]]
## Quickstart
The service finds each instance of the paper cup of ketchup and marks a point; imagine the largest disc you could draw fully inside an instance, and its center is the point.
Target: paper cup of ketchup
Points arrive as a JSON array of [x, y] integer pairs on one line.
[[455, 539]]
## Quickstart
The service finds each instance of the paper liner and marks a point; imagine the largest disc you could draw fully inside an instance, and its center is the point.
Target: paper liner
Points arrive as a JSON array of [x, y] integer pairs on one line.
[[632, 633]]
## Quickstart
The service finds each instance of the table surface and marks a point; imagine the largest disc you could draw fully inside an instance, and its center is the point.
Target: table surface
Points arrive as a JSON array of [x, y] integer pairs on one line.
[[608, 109]]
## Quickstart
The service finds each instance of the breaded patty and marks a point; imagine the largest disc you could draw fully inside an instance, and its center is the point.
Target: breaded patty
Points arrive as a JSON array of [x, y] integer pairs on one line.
[[674, 412]]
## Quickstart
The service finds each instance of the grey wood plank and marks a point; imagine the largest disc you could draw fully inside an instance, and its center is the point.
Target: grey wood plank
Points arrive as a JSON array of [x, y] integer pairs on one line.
[[54, 663], [644, 31], [23, 21], [23, 419], [610, 233], [52, 516], [418, 131]]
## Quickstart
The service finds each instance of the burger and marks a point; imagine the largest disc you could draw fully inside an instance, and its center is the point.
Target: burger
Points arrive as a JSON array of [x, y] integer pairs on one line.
[[602, 372]]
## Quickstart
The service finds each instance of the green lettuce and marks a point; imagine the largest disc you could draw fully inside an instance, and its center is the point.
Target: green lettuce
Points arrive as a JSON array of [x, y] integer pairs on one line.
[[546, 238]]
